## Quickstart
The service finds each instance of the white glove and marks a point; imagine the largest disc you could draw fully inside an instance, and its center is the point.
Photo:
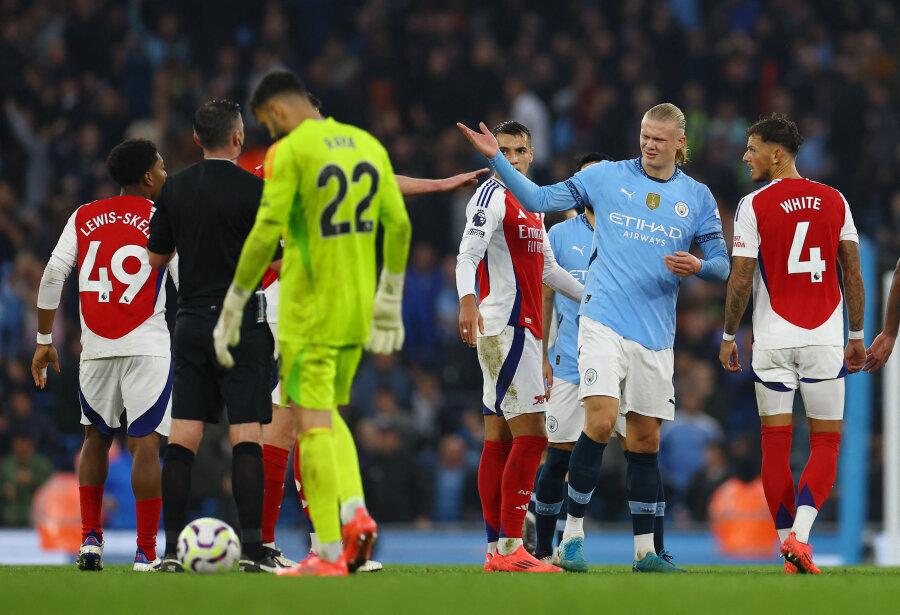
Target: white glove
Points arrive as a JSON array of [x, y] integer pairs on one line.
[[387, 319], [228, 328]]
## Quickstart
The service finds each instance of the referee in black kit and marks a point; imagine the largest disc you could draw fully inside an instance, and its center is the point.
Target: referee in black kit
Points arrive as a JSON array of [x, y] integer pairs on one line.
[[205, 213]]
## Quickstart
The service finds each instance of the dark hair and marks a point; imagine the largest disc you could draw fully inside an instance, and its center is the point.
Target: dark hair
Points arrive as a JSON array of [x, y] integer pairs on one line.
[[514, 128], [588, 158], [275, 83], [130, 159], [315, 101], [778, 128], [214, 122]]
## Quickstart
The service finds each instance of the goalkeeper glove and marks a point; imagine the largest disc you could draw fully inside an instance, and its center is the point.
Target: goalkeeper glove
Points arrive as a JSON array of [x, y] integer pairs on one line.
[[387, 322], [228, 328]]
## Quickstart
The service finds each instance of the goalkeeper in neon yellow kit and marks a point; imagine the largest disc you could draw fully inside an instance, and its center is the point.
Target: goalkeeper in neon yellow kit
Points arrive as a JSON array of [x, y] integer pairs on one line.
[[328, 186]]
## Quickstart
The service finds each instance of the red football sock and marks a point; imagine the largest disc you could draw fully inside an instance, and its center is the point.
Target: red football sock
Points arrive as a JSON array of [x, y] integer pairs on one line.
[[518, 482], [490, 478], [821, 469], [91, 498], [275, 461], [778, 483], [148, 525]]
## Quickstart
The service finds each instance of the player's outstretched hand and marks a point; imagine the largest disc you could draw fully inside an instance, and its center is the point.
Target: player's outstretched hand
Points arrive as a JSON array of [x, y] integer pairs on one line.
[[855, 355], [387, 332], [728, 356], [463, 180], [484, 141], [683, 264], [471, 323], [44, 355], [878, 353], [228, 328]]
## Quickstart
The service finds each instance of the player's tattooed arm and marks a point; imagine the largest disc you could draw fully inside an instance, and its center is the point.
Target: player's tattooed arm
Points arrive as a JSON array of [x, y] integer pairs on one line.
[[740, 287], [854, 291]]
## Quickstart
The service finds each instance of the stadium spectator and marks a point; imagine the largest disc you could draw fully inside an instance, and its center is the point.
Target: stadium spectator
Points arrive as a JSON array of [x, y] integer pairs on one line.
[[22, 471]]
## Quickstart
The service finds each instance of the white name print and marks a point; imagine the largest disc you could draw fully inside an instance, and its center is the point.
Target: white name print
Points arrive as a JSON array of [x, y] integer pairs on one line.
[[803, 202]]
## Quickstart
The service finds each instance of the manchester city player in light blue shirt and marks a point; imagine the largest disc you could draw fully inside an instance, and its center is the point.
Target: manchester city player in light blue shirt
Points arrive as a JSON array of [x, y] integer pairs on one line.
[[648, 212]]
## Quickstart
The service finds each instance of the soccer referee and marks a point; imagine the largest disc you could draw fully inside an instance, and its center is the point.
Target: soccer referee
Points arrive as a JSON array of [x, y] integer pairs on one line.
[[205, 213]]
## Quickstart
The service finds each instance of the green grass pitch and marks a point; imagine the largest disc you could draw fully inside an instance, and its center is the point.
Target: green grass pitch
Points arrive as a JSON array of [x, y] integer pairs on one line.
[[451, 589]]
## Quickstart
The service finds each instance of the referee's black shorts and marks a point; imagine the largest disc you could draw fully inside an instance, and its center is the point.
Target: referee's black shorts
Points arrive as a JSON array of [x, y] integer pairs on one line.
[[202, 386]]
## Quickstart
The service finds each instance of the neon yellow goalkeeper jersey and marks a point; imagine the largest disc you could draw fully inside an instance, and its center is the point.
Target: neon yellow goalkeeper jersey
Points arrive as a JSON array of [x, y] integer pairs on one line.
[[328, 186]]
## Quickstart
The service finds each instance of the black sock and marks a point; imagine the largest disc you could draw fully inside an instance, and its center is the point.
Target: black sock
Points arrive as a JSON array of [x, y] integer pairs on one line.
[[584, 472], [658, 529], [176, 488], [248, 485], [561, 517], [642, 487], [550, 494]]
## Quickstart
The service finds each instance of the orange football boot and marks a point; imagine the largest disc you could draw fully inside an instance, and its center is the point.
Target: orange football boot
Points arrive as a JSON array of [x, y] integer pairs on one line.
[[520, 560], [314, 566], [799, 554], [359, 536]]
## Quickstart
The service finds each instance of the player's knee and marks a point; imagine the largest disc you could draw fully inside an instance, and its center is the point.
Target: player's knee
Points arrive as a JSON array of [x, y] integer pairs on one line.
[[645, 442], [599, 426], [94, 438]]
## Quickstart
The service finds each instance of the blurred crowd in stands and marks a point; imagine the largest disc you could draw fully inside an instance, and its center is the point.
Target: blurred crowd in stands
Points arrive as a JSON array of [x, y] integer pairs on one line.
[[78, 76]]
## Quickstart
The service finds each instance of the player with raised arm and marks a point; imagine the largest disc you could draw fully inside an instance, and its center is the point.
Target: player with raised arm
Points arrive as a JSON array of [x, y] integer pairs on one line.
[[506, 248], [878, 353], [795, 230], [328, 187], [648, 212], [125, 359]]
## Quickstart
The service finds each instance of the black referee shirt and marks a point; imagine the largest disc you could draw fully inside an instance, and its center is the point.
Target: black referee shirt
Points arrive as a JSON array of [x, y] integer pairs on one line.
[[205, 213]]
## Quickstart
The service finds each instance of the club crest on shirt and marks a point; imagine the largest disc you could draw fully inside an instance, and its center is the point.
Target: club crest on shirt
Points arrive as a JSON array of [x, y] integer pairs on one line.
[[479, 218], [682, 209], [652, 200], [590, 377]]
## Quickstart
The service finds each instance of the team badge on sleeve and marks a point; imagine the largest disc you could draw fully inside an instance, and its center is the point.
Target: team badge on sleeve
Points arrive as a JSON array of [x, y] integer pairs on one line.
[[652, 200], [479, 218], [682, 209], [590, 377]]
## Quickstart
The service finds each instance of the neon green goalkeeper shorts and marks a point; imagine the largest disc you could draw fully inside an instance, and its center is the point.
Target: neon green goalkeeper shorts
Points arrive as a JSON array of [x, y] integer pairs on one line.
[[315, 376]]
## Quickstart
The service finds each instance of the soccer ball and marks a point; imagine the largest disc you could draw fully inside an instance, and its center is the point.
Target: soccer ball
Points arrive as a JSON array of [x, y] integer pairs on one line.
[[208, 546]]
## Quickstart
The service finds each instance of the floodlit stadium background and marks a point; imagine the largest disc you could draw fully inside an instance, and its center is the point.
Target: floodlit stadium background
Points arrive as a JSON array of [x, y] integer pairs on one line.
[[77, 77]]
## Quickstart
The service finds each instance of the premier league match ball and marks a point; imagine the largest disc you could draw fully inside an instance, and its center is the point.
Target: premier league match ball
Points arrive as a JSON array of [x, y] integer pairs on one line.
[[208, 546]]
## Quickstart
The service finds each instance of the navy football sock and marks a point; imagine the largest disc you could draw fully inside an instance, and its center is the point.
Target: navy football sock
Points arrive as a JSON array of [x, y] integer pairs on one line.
[[642, 487], [550, 498], [584, 472], [658, 524]]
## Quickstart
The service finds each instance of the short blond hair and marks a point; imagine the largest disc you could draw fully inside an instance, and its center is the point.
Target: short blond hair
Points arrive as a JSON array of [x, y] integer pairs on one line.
[[667, 112]]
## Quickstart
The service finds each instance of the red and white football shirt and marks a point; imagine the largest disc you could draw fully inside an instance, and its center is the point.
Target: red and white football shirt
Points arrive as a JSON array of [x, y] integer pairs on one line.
[[512, 248], [793, 227], [122, 300]]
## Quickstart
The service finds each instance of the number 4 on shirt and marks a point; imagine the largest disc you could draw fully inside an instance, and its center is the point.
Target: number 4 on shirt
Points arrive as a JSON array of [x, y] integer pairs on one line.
[[815, 266]]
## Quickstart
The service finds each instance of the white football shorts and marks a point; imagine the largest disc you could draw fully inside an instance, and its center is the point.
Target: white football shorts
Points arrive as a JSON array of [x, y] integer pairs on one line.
[[565, 414], [140, 386], [640, 378], [511, 367], [818, 371]]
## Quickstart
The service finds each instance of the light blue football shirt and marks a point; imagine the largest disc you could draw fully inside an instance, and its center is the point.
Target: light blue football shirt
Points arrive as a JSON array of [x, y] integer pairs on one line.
[[571, 242], [639, 219]]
